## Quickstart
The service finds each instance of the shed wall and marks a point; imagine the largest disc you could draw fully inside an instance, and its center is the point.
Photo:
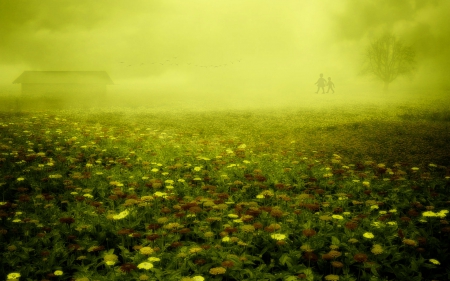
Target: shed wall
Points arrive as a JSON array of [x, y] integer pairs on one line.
[[71, 90]]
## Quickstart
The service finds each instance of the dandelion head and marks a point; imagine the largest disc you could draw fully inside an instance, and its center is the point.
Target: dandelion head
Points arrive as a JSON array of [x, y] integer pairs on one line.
[[13, 275], [337, 264], [278, 236], [248, 228], [110, 258], [145, 265], [434, 261], [353, 241], [409, 242], [146, 250], [335, 254], [195, 250], [217, 270], [332, 277], [377, 249]]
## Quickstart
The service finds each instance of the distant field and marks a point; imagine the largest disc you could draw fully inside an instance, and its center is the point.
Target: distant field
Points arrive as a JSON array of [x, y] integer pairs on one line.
[[193, 188], [392, 128]]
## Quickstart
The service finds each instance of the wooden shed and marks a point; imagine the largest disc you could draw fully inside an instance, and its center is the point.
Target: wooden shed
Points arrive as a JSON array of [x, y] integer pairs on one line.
[[70, 83]]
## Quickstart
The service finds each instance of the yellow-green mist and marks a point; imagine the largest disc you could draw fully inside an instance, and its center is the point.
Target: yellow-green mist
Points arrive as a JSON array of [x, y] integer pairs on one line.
[[257, 49]]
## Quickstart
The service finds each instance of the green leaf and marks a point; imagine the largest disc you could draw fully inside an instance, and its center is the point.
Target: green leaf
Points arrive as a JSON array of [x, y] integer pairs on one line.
[[248, 272], [335, 240]]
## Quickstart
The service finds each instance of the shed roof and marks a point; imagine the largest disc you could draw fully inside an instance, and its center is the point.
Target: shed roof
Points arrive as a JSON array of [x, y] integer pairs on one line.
[[64, 77]]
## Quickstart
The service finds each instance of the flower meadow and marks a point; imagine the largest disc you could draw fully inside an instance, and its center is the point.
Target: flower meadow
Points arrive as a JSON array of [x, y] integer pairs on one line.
[[120, 194]]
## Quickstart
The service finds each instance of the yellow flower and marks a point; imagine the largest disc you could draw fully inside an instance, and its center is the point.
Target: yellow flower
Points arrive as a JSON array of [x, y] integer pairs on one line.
[[153, 259], [409, 242], [58, 272], [110, 259], [442, 214], [160, 194], [13, 275], [121, 215], [325, 218], [217, 270], [278, 236], [198, 278], [195, 250], [368, 235], [332, 277], [145, 265], [146, 250], [435, 261], [226, 239], [338, 217], [429, 214], [377, 249]]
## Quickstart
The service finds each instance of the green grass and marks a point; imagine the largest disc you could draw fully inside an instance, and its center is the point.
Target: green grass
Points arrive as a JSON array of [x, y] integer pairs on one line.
[[207, 190]]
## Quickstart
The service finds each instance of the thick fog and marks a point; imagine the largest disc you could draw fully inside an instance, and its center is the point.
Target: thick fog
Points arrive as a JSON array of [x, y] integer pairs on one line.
[[260, 50]]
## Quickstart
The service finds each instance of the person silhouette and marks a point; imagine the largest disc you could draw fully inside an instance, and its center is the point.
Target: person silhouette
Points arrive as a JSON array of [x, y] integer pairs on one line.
[[321, 84], [330, 85]]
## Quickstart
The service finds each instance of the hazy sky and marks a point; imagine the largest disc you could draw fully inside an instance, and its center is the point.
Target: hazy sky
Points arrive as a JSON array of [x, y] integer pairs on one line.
[[220, 46]]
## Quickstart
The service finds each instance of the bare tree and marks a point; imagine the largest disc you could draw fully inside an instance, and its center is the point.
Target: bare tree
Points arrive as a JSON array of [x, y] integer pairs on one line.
[[387, 58]]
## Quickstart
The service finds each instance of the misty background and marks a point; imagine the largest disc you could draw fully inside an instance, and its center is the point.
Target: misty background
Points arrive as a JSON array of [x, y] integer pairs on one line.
[[260, 51]]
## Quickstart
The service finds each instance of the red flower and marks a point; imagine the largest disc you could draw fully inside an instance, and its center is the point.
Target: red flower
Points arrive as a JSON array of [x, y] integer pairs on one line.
[[128, 267]]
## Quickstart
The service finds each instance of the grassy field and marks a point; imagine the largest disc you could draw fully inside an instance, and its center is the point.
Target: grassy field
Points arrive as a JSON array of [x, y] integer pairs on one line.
[[313, 187]]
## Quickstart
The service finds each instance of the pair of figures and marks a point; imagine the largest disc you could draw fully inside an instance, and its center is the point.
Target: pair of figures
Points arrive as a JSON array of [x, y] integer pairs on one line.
[[321, 83]]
